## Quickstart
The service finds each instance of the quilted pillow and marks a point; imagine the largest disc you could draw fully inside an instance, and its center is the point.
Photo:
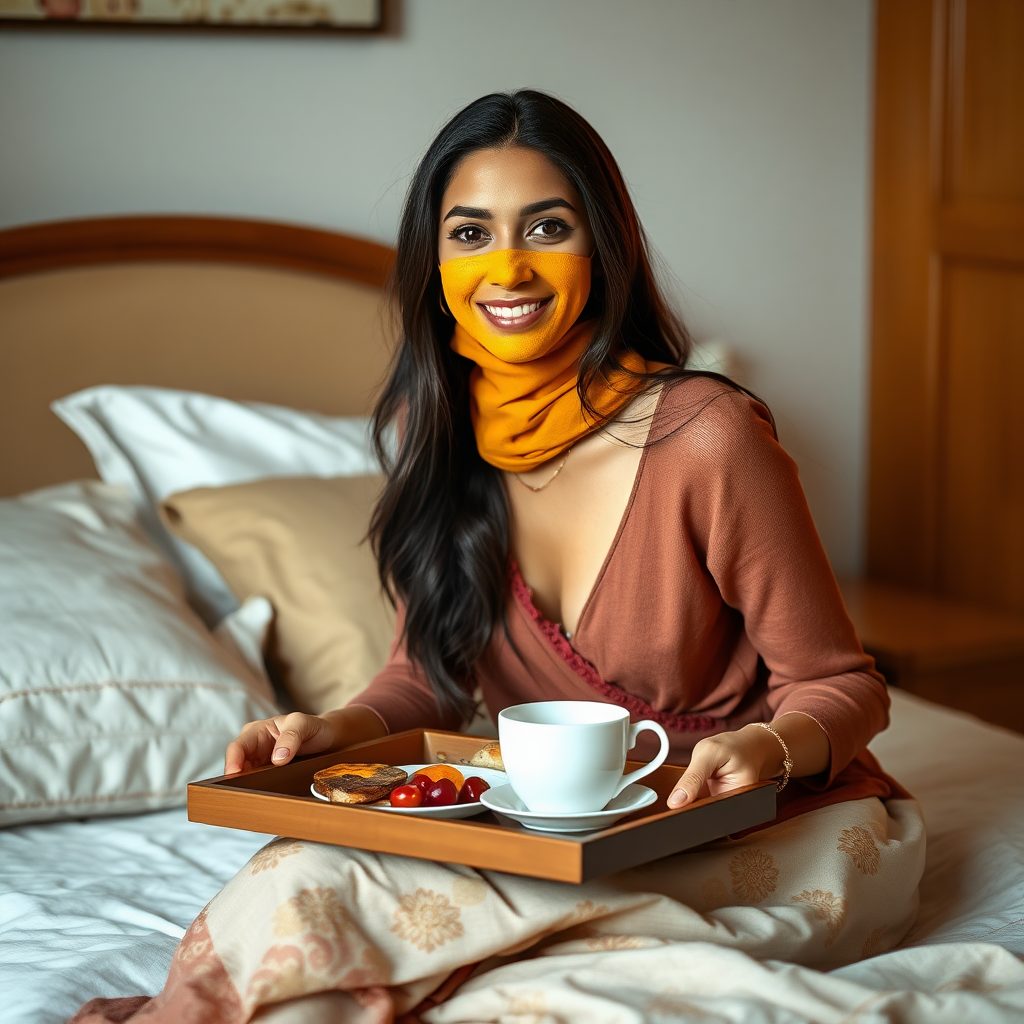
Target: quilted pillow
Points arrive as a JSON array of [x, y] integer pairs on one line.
[[113, 694]]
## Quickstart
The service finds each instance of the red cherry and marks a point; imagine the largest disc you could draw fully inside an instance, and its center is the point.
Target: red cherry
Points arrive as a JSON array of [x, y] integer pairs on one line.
[[406, 796], [441, 794], [424, 782], [472, 788]]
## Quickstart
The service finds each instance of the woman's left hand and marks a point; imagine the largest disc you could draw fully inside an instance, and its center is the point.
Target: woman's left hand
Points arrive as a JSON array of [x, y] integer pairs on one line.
[[751, 754]]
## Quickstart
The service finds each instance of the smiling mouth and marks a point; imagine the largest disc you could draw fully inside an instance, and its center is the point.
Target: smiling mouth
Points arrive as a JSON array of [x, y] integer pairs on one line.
[[507, 316]]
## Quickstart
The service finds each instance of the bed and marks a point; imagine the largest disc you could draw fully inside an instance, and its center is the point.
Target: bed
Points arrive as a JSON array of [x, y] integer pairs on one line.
[[95, 905]]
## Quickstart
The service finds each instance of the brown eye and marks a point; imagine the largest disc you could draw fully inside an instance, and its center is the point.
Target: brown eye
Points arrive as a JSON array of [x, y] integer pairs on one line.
[[468, 234], [550, 229]]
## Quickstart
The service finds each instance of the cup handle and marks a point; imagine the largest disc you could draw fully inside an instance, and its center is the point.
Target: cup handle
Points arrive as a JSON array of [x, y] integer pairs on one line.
[[659, 760]]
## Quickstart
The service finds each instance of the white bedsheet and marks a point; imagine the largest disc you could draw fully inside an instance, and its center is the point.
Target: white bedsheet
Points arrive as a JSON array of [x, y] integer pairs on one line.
[[91, 908], [96, 907], [969, 778]]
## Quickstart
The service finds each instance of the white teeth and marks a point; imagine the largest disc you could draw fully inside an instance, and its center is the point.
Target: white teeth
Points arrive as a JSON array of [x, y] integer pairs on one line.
[[512, 312]]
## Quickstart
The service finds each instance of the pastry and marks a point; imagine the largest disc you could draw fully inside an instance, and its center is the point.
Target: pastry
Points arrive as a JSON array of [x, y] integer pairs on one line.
[[358, 783], [488, 756]]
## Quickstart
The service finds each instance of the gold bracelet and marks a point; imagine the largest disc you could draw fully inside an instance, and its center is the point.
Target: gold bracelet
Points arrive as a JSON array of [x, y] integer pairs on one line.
[[787, 761]]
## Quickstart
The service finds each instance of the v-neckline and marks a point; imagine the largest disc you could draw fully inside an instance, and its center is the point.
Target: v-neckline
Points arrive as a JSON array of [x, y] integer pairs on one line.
[[592, 593]]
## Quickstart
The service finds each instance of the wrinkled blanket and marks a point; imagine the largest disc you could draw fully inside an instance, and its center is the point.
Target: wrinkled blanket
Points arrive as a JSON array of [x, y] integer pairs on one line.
[[703, 983], [307, 931]]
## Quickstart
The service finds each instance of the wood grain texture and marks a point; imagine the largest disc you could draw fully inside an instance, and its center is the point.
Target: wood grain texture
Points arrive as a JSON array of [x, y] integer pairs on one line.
[[901, 459], [981, 499], [984, 119], [276, 800], [946, 448]]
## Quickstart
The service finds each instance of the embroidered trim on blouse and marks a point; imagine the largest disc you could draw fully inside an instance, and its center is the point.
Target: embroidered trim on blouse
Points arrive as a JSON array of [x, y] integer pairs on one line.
[[586, 671]]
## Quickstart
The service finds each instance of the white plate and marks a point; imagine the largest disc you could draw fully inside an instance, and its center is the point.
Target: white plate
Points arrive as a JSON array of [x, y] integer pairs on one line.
[[503, 800], [489, 775]]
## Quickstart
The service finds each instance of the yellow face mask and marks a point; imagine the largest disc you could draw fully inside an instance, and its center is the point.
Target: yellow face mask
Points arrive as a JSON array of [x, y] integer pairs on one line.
[[566, 274], [524, 400]]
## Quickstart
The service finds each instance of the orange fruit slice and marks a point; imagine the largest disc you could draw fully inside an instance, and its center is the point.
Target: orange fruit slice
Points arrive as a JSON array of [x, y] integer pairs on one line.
[[437, 772]]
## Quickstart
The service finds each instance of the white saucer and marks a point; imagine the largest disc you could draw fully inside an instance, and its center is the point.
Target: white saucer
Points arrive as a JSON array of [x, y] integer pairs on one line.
[[495, 778], [503, 800]]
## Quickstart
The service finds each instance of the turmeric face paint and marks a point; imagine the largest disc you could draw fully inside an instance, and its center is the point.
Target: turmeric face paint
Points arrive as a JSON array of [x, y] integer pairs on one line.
[[513, 244], [547, 291], [525, 405]]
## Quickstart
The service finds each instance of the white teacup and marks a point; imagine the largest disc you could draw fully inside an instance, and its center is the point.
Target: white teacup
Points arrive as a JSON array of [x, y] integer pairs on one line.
[[567, 756]]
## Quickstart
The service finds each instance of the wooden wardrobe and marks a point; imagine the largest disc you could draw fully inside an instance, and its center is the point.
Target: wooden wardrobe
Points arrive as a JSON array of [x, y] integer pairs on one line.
[[946, 484], [946, 510]]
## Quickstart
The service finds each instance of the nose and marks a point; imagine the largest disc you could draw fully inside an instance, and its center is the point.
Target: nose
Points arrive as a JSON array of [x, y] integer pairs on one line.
[[509, 269]]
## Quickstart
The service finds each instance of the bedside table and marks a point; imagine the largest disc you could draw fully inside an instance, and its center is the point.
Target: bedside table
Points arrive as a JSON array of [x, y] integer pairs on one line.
[[960, 655]]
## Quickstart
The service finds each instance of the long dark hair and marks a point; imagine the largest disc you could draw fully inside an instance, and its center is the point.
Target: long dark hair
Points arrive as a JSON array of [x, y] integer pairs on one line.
[[441, 527]]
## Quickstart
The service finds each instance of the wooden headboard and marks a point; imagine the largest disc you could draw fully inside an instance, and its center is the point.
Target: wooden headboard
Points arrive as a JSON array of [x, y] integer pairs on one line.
[[245, 309]]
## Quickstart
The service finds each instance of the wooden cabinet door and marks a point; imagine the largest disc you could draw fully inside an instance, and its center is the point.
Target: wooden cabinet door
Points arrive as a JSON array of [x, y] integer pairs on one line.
[[946, 487]]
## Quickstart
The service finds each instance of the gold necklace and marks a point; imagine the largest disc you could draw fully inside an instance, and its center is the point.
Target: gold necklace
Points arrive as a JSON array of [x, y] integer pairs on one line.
[[549, 480]]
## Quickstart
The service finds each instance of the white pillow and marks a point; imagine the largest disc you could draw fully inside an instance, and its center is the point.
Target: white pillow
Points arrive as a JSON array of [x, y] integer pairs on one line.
[[157, 442], [113, 694]]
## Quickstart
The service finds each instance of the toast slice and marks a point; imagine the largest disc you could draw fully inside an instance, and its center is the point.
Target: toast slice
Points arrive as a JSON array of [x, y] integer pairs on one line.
[[358, 783]]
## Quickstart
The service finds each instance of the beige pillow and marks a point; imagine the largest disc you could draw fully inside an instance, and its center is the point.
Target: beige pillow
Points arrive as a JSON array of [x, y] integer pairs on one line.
[[299, 542]]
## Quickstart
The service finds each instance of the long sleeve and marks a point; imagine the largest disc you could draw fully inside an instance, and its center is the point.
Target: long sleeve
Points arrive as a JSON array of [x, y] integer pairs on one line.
[[717, 568], [765, 555], [401, 696]]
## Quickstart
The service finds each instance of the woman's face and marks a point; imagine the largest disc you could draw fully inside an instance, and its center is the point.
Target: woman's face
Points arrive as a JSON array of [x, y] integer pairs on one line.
[[512, 198]]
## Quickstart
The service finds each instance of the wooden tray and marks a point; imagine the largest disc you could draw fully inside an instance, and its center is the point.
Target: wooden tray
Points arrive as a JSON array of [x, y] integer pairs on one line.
[[276, 800]]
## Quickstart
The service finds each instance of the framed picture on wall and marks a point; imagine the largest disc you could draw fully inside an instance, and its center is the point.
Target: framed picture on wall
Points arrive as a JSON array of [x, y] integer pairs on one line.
[[344, 15]]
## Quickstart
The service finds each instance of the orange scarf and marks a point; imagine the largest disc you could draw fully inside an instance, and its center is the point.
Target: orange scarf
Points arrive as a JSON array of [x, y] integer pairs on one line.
[[525, 406]]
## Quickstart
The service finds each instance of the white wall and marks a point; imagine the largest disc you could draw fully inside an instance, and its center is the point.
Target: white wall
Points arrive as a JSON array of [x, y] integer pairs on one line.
[[742, 127]]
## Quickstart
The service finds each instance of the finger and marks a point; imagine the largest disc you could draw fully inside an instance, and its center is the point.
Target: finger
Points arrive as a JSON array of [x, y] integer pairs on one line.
[[297, 732], [251, 748], [702, 766], [263, 740], [234, 757], [723, 782]]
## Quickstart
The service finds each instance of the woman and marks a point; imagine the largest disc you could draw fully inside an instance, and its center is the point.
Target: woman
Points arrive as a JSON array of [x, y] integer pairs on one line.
[[571, 514]]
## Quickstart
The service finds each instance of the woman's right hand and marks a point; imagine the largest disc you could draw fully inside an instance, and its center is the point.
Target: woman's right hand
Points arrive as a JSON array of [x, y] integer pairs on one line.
[[277, 740]]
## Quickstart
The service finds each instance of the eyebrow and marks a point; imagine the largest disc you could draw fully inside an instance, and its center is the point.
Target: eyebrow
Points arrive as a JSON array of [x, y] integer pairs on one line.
[[468, 211], [481, 214], [545, 204]]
